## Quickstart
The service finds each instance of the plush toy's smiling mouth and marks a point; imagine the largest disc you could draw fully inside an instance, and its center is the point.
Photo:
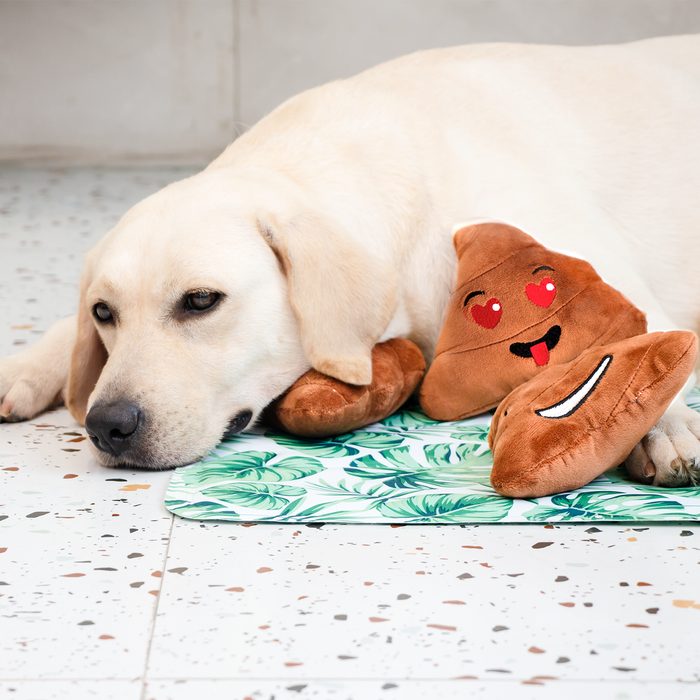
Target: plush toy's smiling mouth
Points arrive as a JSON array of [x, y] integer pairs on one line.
[[578, 396], [538, 349]]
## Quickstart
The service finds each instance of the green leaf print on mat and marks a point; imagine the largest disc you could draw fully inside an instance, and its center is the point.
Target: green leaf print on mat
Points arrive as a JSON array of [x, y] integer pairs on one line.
[[415, 425], [249, 466], [471, 433], [375, 441], [444, 466], [410, 420], [216, 470], [406, 469], [330, 448], [693, 398], [202, 509], [449, 507], [606, 505], [337, 446], [250, 495]]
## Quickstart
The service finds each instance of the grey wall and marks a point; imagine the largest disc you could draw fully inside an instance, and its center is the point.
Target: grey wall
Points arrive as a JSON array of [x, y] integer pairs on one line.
[[115, 79], [159, 80]]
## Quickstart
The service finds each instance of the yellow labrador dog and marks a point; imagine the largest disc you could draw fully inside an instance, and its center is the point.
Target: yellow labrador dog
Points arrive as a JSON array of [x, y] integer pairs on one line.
[[327, 227]]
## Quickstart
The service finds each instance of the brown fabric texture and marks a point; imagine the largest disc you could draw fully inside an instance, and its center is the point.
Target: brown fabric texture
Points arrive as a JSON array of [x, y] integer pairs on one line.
[[319, 406], [515, 296], [569, 443]]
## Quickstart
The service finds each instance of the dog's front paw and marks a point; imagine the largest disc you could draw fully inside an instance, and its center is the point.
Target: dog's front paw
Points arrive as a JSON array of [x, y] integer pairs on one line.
[[669, 454], [27, 388]]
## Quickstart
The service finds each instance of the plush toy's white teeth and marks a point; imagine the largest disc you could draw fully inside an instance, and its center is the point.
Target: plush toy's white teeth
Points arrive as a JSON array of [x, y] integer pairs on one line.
[[578, 397]]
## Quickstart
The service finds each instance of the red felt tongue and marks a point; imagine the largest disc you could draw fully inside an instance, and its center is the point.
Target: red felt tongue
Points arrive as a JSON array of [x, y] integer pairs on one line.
[[540, 353]]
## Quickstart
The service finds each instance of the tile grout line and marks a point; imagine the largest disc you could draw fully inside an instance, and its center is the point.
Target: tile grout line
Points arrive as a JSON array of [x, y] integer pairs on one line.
[[144, 682]]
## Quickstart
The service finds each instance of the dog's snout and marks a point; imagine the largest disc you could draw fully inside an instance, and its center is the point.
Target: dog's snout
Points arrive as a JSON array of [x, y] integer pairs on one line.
[[112, 427]]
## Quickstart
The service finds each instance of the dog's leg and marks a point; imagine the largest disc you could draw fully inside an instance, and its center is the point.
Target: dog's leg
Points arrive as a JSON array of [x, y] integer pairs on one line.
[[35, 379], [669, 454]]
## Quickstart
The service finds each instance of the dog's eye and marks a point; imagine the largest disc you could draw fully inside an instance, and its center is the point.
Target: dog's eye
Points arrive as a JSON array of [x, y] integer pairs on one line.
[[201, 301], [102, 313]]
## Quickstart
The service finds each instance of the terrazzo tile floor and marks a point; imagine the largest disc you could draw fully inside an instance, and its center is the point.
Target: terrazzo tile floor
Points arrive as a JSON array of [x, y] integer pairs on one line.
[[104, 594]]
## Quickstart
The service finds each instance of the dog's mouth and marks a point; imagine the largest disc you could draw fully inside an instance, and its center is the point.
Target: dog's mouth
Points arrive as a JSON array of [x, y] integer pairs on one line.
[[538, 349], [238, 423]]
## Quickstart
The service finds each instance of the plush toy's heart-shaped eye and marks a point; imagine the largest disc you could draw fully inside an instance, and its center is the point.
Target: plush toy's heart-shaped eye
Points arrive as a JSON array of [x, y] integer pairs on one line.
[[488, 315], [541, 294]]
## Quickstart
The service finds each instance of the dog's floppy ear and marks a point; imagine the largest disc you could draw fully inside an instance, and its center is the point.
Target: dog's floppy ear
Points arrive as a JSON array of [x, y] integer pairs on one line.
[[342, 295], [89, 355]]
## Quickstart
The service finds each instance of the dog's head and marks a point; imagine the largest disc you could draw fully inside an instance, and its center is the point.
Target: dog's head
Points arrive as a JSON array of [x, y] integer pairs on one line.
[[207, 301]]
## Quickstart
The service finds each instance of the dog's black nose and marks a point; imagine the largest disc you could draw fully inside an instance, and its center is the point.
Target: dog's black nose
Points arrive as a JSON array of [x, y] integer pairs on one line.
[[112, 426]]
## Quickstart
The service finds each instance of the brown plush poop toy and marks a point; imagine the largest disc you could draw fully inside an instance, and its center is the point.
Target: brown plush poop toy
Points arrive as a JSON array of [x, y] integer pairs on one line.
[[319, 406], [571, 423], [519, 308]]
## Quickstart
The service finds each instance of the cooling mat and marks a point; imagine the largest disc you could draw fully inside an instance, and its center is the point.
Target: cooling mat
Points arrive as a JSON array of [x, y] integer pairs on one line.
[[405, 469]]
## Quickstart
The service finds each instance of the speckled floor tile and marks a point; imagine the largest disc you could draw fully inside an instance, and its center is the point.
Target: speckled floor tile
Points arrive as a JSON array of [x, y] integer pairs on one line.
[[398, 689], [82, 550], [71, 690], [99, 582], [79, 544], [568, 602]]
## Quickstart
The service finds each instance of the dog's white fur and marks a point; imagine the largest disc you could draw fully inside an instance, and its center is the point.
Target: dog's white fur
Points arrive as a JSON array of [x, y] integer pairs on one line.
[[328, 227]]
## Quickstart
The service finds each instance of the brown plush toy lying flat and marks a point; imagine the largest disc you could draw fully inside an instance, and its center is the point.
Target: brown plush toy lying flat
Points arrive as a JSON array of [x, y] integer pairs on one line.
[[319, 406], [519, 308], [571, 423]]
